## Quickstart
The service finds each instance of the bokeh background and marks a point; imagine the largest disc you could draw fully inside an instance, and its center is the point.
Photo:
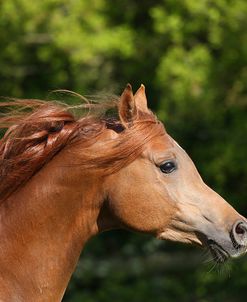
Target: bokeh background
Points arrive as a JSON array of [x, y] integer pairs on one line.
[[192, 57]]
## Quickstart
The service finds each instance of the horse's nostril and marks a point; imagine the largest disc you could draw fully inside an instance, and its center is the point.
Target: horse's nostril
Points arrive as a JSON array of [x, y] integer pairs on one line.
[[240, 229], [239, 233]]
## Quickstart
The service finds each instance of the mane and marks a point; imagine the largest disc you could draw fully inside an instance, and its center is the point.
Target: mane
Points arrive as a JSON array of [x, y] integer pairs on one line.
[[37, 130]]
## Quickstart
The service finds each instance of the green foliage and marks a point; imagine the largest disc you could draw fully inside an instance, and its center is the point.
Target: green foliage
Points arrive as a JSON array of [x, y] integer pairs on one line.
[[192, 56]]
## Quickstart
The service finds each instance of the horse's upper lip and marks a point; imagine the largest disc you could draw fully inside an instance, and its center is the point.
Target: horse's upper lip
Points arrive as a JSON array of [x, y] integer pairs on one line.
[[220, 255]]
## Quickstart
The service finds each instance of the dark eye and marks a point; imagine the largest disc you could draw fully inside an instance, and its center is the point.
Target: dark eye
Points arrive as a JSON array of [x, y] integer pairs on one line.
[[168, 167]]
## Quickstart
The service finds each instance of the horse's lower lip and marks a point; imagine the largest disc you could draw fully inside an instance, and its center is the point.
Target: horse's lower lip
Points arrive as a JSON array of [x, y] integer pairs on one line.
[[219, 254]]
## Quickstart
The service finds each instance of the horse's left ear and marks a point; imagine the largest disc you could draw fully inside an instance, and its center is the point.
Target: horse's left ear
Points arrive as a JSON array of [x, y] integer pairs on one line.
[[141, 99], [127, 108]]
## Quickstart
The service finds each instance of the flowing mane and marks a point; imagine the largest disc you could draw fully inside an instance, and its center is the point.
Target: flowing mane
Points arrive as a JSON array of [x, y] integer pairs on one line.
[[37, 130]]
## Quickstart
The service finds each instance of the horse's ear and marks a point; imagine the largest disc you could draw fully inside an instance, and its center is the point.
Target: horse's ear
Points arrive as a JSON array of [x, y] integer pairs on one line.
[[127, 108], [141, 99]]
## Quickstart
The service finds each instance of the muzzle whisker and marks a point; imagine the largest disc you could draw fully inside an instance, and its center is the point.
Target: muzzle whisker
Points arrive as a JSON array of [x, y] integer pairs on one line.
[[207, 257], [224, 269], [213, 267]]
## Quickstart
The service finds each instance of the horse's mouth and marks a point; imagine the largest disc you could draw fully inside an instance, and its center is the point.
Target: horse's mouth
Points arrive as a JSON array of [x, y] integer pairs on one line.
[[219, 254]]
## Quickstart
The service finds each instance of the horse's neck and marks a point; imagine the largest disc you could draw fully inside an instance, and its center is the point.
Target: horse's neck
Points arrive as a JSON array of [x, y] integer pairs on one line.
[[43, 228]]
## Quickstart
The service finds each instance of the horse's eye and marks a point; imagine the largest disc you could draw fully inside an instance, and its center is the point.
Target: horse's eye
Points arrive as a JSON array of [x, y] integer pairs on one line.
[[168, 167]]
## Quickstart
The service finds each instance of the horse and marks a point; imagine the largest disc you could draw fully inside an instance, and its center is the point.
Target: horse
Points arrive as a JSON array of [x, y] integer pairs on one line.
[[65, 179]]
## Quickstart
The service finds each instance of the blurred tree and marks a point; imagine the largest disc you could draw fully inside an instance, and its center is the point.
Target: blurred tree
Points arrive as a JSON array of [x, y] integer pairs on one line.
[[58, 43]]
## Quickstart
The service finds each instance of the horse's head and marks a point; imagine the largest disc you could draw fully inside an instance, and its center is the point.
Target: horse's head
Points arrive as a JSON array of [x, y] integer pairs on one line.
[[161, 192]]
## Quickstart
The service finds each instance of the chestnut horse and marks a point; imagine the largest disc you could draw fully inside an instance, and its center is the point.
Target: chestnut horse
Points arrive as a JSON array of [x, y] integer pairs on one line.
[[64, 180]]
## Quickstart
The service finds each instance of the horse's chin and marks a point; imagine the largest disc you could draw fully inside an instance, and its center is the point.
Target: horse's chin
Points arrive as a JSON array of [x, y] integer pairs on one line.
[[181, 236]]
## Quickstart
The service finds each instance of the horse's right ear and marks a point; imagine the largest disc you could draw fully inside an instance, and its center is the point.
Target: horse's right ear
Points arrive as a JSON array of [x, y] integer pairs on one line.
[[127, 108]]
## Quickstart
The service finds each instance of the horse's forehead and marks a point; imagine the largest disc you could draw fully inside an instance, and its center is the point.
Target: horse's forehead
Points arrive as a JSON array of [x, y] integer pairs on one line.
[[162, 143]]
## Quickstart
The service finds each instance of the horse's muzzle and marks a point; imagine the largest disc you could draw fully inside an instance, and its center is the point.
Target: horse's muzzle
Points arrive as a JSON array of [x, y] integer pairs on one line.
[[235, 247], [220, 255]]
